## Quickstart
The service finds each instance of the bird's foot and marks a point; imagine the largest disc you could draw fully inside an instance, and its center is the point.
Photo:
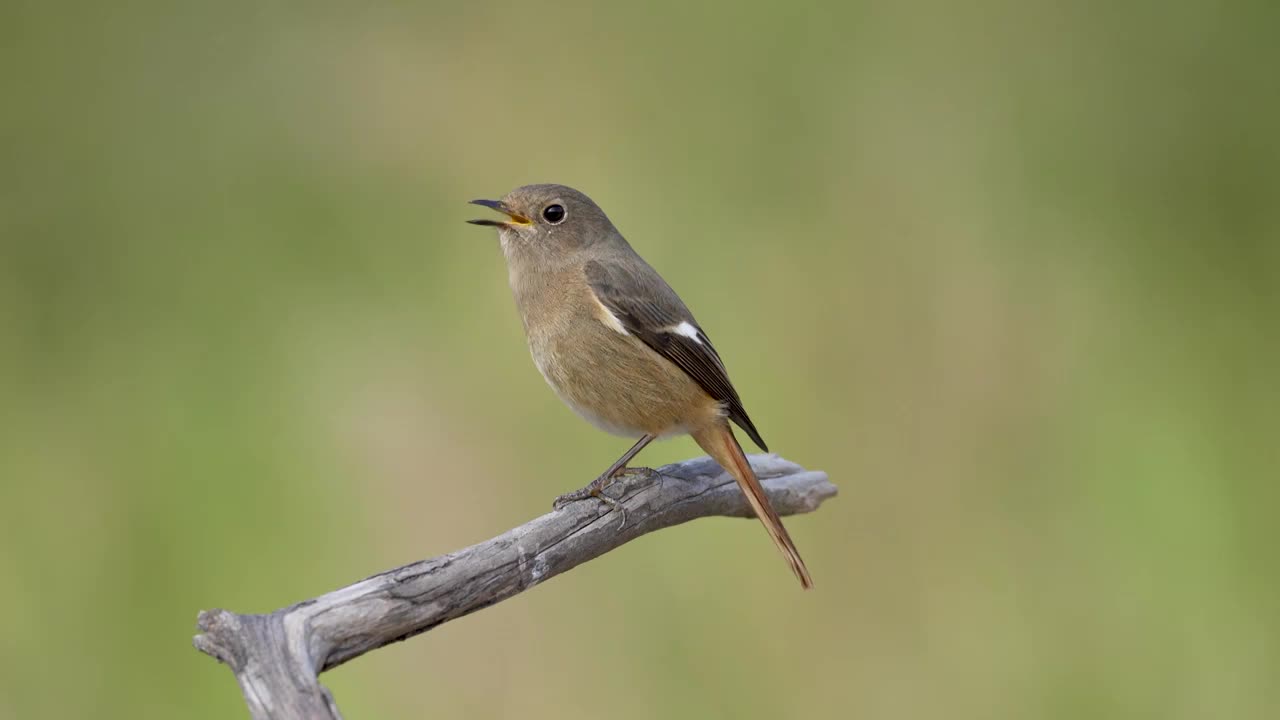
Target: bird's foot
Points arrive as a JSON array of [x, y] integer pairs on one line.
[[595, 489]]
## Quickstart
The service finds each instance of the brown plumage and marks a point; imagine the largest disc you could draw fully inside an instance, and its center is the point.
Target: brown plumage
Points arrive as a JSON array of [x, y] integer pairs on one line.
[[617, 344]]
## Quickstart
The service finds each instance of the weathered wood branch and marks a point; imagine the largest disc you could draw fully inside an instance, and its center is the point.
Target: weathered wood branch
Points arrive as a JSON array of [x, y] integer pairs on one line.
[[277, 657]]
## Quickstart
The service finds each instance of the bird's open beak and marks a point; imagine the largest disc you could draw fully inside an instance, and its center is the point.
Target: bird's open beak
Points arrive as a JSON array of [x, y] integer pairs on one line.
[[516, 218]]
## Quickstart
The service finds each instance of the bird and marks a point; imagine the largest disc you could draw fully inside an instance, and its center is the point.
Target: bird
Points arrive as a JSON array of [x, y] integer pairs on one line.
[[618, 345]]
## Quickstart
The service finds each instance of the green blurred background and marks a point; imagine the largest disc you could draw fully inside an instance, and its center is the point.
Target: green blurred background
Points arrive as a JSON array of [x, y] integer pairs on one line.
[[1009, 272]]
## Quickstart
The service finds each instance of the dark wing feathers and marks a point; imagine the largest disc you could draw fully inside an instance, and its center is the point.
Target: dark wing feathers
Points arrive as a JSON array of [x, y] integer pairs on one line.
[[649, 309]]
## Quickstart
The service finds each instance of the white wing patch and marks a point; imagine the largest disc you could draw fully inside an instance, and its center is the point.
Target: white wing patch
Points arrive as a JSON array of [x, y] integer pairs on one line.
[[610, 320], [686, 329]]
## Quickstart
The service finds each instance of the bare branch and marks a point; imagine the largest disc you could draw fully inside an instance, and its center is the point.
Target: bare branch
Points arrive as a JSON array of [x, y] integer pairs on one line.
[[276, 657]]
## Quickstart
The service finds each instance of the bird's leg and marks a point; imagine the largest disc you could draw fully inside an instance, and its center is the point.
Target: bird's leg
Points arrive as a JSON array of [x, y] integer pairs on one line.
[[596, 487]]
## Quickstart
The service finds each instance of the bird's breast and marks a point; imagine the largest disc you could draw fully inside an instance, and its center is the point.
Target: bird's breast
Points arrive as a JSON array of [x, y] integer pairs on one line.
[[607, 376]]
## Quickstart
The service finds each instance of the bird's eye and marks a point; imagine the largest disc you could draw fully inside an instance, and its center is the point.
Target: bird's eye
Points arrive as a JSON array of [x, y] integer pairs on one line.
[[553, 214]]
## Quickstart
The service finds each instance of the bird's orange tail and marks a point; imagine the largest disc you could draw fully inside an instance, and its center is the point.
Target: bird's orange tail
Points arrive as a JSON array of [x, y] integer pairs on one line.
[[718, 442]]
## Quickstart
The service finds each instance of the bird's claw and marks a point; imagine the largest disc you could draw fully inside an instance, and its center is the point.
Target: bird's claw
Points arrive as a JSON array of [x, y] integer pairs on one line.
[[614, 505], [596, 490], [598, 494]]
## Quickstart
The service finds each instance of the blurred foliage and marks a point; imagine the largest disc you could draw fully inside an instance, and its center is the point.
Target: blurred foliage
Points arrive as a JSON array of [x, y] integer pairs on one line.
[[1010, 272]]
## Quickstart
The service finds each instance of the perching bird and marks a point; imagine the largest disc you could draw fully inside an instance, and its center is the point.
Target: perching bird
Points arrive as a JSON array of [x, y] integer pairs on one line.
[[617, 344]]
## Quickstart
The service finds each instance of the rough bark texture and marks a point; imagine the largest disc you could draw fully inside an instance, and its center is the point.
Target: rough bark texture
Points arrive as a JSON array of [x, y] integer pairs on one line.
[[277, 657]]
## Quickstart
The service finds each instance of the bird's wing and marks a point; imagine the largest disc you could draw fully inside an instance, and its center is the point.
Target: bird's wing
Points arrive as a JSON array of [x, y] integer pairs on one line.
[[648, 308]]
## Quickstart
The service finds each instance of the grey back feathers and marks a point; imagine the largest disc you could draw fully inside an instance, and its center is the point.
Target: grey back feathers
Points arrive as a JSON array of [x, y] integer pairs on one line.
[[650, 310]]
